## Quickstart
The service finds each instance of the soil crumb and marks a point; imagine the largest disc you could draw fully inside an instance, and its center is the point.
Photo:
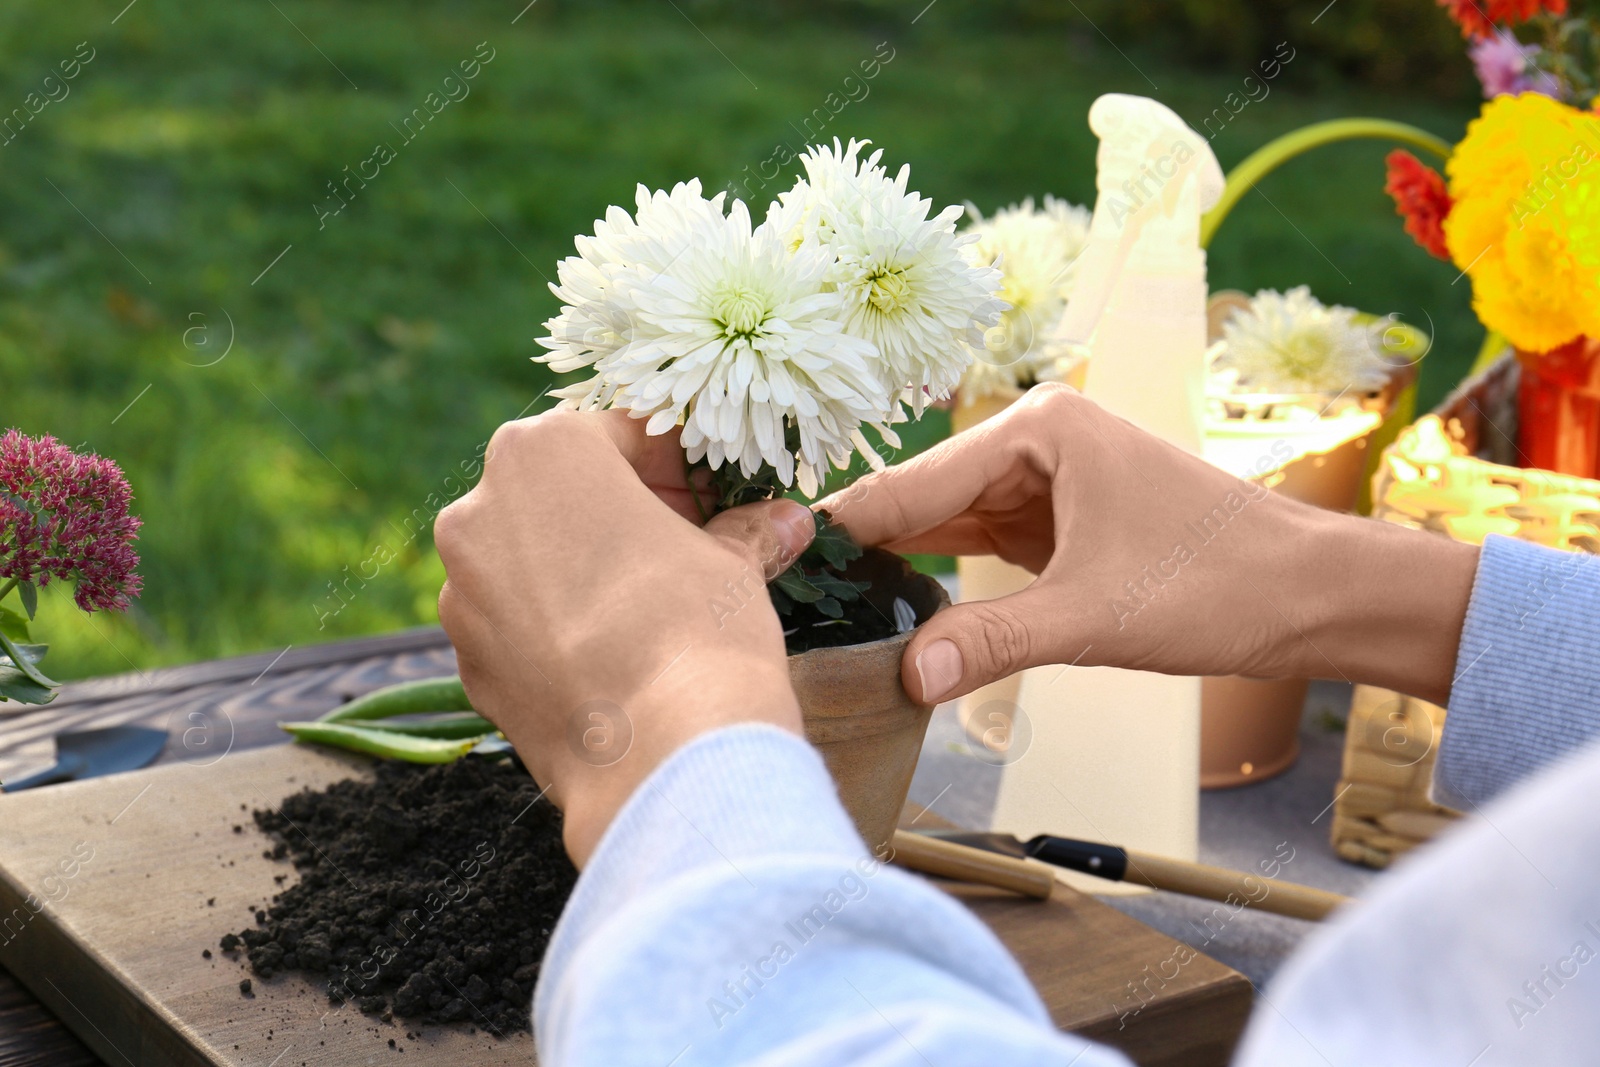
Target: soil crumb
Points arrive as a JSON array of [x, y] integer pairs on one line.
[[428, 891]]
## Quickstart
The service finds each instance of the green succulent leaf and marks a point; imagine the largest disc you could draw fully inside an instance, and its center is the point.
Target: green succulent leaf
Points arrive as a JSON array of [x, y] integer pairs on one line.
[[24, 658], [14, 685], [31, 653], [449, 725], [14, 624], [379, 742], [30, 598], [405, 698]]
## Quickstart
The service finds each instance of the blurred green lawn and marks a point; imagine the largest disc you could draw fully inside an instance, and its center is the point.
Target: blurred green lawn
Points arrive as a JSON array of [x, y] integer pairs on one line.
[[372, 360]]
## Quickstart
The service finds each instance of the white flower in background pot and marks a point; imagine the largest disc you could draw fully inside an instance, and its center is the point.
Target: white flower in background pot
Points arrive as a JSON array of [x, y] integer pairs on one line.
[[1296, 392], [1036, 251], [775, 346], [1292, 345]]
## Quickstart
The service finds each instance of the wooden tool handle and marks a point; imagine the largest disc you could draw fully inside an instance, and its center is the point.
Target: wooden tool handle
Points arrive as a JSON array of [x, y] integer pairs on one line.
[[1230, 887], [946, 859]]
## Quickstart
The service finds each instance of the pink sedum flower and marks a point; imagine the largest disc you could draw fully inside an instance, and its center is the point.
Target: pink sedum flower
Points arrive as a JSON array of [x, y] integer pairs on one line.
[[1505, 65], [65, 515]]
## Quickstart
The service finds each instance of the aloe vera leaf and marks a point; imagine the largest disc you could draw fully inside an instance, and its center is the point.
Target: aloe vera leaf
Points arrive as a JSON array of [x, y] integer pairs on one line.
[[407, 698], [448, 725], [377, 742]]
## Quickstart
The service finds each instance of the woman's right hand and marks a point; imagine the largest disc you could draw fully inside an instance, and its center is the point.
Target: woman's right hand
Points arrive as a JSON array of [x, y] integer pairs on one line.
[[1151, 558]]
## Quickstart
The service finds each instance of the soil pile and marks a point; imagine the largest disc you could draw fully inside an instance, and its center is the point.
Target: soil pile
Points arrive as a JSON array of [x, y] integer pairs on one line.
[[427, 893]]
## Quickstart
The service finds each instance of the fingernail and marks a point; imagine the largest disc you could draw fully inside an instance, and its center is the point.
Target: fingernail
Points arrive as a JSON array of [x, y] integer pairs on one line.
[[939, 668], [794, 526]]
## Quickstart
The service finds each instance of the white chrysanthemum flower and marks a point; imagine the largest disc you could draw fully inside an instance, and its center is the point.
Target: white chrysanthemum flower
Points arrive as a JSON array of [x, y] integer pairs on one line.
[[590, 325], [1036, 252], [907, 287], [689, 315], [1292, 343]]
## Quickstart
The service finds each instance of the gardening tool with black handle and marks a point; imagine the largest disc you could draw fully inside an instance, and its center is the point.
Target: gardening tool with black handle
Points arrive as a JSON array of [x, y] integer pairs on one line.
[[1158, 872]]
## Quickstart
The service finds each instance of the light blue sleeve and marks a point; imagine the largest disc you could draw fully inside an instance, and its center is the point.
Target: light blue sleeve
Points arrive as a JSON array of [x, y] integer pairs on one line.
[[731, 914], [1527, 677]]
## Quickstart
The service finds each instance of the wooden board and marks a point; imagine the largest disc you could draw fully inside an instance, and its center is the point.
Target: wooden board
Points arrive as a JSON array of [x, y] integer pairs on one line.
[[208, 709], [117, 955]]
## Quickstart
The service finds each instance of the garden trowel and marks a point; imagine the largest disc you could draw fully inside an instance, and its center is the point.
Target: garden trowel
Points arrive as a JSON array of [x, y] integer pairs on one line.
[[91, 753], [1238, 888]]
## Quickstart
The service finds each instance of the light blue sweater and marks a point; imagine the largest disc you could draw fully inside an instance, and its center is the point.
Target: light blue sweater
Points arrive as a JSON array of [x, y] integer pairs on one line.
[[731, 914]]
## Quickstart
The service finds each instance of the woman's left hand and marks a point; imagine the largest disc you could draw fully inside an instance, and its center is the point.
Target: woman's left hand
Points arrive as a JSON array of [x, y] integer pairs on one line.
[[595, 622]]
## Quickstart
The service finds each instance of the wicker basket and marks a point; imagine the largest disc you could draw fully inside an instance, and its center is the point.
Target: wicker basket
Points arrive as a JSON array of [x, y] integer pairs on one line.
[[1450, 473], [1381, 807]]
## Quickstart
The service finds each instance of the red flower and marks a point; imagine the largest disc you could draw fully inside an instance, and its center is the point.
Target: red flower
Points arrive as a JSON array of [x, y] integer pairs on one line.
[[1477, 18], [65, 515], [1420, 197]]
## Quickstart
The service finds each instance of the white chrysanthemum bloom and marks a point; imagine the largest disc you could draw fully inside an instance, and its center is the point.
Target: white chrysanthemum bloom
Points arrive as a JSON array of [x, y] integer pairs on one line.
[[907, 287], [1292, 343], [591, 325], [1036, 252], [689, 315]]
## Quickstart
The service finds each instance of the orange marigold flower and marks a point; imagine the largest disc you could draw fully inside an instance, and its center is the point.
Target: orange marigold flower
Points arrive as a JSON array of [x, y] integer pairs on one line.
[[1420, 197], [1478, 18]]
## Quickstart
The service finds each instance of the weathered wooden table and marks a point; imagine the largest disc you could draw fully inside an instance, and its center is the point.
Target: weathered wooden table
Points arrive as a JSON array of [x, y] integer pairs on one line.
[[1084, 957]]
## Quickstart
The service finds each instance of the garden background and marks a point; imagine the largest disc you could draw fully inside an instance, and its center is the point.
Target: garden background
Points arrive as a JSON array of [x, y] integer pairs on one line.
[[175, 205]]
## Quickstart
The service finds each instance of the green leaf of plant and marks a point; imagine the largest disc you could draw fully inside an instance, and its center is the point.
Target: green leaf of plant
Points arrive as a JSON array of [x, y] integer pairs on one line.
[[14, 623], [830, 607], [14, 685], [31, 653], [833, 542], [798, 587], [30, 598], [835, 586], [25, 662], [404, 698], [379, 742]]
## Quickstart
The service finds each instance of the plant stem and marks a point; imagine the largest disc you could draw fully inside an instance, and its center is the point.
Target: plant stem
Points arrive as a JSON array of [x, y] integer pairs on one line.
[[1275, 153], [5, 590]]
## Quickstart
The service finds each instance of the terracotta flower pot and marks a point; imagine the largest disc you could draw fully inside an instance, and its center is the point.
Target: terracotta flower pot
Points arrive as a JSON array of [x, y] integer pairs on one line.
[[1559, 408], [857, 713], [1250, 727]]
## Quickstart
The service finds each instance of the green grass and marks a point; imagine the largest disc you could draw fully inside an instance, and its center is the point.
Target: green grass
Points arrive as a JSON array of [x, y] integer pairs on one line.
[[373, 359]]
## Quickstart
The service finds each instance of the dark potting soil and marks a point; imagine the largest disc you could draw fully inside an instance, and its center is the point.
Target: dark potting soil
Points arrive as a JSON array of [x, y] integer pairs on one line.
[[806, 628], [428, 892]]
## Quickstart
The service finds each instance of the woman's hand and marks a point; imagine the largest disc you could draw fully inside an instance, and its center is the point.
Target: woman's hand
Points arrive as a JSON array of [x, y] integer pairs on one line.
[[1149, 557], [597, 626]]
